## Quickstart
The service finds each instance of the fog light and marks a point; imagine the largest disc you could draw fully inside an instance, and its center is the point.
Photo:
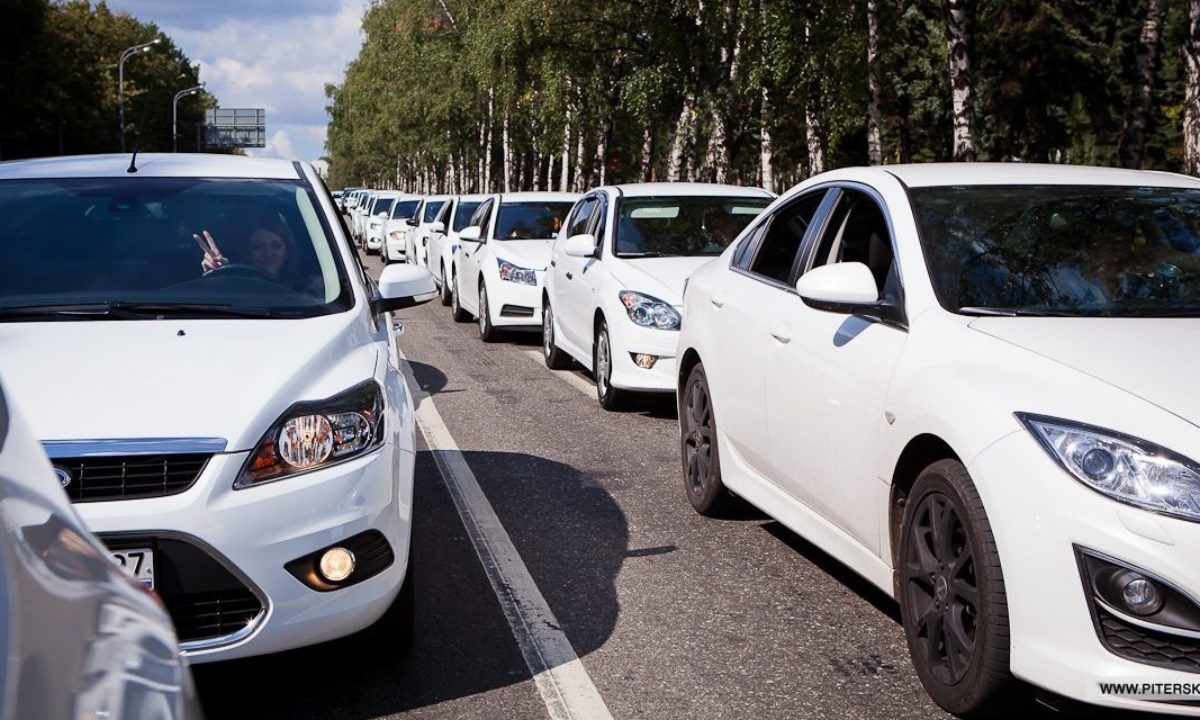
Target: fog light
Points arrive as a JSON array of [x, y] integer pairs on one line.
[[336, 564], [1139, 593], [645, 361]]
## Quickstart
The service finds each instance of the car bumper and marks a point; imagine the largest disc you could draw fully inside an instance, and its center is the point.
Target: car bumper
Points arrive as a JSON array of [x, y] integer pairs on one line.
[[374, 240], [1039, 516], [627, 340], [395, 250], [514, 305], [255, 532]]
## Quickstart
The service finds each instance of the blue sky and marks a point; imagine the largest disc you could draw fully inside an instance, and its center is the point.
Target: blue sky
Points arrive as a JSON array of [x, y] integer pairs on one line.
[[276, 54]]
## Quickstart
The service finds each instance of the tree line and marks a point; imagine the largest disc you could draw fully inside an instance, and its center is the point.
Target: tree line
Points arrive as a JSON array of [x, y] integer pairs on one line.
[[59, 82], [475, 95]]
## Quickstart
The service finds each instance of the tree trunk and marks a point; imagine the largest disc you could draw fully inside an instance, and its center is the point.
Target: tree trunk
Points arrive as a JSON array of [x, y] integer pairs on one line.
[[1133, 140], [580, 183], [646, 169], [1191, 103], [960, 41], [814, 113], [685, 131], [765, 150], [487, 150], [565, 175], [508, 159], [874, 141]]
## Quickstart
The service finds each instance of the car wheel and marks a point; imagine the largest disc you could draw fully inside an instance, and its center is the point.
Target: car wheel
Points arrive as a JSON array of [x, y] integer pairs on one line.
[[444, 292], [610, 397], [456, 307], [698, 449], [555, 359], [487, 332], [952, 599]]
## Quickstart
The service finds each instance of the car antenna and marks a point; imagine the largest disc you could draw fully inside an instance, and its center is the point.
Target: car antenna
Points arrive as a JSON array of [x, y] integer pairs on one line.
[[133, 160]]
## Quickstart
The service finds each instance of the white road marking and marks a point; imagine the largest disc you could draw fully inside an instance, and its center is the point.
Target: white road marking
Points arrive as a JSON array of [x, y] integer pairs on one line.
[[563, 682], [571, 377]]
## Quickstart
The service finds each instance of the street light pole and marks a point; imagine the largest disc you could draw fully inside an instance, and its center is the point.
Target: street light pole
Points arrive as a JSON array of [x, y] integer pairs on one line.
[[175, 114], [125, 55]]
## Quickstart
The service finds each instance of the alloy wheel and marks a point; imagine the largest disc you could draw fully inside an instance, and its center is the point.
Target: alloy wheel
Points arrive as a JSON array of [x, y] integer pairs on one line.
[[603, 363], [698, 436], [547, 332]]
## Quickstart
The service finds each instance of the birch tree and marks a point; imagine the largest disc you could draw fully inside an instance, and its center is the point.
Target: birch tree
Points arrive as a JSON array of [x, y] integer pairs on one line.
[[1133, 139], [1191, 105], [960, 39], [874, 141]]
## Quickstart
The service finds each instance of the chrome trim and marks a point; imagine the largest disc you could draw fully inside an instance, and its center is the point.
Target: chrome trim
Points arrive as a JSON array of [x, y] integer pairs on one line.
[[252, 627], [1165, 629], [1145, 624], [131, 446]]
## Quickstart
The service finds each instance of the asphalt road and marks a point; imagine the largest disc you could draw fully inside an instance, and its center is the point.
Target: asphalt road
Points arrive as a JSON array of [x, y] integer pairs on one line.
[[672, 615]]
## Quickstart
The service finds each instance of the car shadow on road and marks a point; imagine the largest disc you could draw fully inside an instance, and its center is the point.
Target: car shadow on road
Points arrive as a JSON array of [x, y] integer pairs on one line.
[[573, 538]]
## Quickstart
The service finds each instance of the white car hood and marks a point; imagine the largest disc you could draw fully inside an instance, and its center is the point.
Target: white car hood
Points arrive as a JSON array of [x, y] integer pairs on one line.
[[1145, 357], [534, 254], [662, 278], [227, 379]]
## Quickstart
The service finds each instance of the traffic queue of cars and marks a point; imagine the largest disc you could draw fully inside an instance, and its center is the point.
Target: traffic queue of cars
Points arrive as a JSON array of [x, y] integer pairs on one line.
[[967, 382]]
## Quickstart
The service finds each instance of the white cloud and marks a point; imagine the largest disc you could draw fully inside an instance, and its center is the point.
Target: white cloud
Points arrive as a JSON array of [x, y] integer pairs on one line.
[[281, 63]]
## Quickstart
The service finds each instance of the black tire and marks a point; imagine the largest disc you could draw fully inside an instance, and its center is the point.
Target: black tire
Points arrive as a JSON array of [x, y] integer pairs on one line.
[[699, 451], [555, 359], [456, 307], [444, 291], [610, 398], [487, 332], [952, 599]]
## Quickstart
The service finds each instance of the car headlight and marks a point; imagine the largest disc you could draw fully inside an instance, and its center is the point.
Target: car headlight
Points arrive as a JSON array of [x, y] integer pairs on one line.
[[514, 273], [649, 311], [375, 224], [395, 235], [1122, 467], [314, 435]]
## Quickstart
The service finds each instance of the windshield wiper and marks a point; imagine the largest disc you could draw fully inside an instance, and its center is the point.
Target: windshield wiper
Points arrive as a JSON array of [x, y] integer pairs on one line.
[[1013, 312], [133, 310], [649, 255]]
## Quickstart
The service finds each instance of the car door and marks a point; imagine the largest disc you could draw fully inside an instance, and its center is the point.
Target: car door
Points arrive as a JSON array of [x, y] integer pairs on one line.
[[566, 270], [828, 374], [471, 255], [759, 279], [438, 239]]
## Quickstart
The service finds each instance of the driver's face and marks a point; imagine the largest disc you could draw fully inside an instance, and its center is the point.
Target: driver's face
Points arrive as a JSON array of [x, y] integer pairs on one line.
[[267, 251]]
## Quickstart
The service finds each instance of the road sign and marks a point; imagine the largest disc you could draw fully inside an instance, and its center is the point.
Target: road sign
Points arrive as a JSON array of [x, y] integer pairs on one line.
[[235, 127]]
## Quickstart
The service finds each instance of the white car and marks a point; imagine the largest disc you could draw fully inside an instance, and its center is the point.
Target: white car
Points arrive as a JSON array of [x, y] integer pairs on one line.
[[392, 244], [614, 290], [443, 242], [359, 214], [378, 218], [417, 239], [245, 433], [971, 384], [500, 264]]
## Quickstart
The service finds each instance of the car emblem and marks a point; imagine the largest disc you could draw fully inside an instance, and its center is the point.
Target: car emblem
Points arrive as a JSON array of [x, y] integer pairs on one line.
[[64, 476]]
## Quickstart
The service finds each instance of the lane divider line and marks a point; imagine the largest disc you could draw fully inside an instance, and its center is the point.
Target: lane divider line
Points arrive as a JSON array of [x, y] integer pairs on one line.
[[561, 679], [571, 377]]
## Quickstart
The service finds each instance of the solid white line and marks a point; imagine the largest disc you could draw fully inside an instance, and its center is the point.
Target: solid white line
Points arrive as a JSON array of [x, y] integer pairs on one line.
[[563, 682], [570, 376]]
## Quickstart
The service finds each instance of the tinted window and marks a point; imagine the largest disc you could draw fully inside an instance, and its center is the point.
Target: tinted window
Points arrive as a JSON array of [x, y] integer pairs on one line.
[[463, 213], [481, 216], [530, 220], [405, 209], [681, 225], [582, 216], [857, 231], [1074, 250], [140, 240], [431, 210], [784, 236], [382, 205]]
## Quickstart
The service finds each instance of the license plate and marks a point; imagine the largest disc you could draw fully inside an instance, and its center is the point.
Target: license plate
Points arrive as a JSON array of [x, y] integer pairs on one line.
[[138, 562]]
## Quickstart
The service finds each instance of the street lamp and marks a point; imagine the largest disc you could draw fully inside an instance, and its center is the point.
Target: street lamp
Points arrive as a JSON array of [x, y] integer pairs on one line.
[[125, 55], [175, 114]]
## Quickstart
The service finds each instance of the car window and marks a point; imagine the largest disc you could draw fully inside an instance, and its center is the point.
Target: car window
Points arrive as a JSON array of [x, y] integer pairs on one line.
[[582, 217], [405, 209], [444, 213], [131, 241], [689, 225], [481, 216], [857, 231], [382, 205], [530, 220], [431, 210], [463, 214], [784, 237]]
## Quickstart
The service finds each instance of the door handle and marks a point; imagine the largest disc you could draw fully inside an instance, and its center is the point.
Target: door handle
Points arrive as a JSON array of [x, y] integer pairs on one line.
[[569, 276], [781, 333], [717, 303], [553, 263]]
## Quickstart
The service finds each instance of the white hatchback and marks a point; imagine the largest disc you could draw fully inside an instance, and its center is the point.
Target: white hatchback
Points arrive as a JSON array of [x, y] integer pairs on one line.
[[971, 384], [614, 289], [500, 264], [215, 379]]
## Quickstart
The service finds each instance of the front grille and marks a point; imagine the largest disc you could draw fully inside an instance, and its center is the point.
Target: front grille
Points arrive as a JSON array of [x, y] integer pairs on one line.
[[204, 598], [516, 311], [126, 477], [1148, 646]]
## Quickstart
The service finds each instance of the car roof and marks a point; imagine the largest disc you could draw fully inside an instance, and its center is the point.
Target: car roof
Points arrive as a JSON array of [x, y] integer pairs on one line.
[[667, 189], [149, 165], [1017, 173]]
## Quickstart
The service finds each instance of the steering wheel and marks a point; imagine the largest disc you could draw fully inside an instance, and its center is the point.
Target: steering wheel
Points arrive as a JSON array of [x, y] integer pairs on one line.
[[240, 270]]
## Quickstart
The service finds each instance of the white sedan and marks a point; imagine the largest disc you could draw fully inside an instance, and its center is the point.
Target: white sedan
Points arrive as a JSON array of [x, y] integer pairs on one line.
[[500, 264], [232, 416], [395, 229], [614, 289], [443, 240], [971, 384], [421, 227]]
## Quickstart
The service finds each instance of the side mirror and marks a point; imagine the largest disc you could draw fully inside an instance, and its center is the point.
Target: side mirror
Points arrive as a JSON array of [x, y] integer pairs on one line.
[[583, 246], [841, 287], [381, 214], [437, 227], [403, 286], [471, 234]]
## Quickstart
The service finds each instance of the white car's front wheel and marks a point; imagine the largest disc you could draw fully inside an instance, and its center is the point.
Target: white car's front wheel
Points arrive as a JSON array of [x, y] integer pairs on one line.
[[610, 397], [555, 359], [487, 332]]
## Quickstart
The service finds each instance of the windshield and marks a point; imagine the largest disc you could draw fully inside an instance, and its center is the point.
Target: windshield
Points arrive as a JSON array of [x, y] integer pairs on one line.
[[226, 245], [431, 210], [681, 225], [531, 220], [463, 213], [1062, 250], [382, 205], [405, 209]]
